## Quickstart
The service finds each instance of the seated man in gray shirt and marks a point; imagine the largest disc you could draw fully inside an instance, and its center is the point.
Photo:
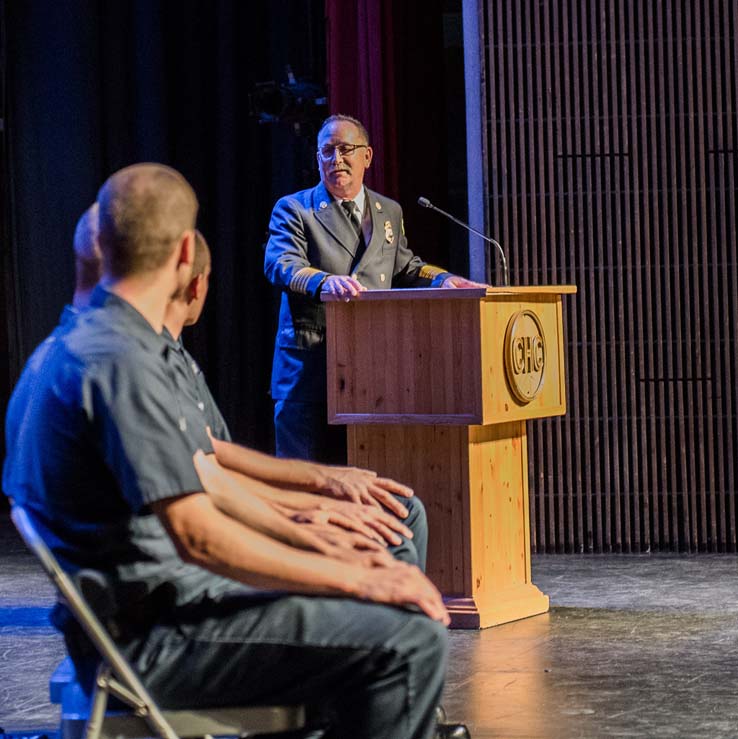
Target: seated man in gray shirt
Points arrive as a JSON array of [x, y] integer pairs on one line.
[[104, 447], [361, 513], [407, 539]]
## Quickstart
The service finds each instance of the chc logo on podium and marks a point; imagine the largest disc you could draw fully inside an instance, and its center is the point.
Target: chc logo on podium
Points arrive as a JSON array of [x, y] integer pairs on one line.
[[525, 355]]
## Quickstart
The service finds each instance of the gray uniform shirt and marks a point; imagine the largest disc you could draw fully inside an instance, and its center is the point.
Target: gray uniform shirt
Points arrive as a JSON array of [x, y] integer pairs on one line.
[[192, 381], [97, 429]]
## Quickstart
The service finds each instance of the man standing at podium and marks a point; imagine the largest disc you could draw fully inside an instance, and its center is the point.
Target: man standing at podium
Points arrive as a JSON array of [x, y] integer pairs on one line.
[[338, 237]]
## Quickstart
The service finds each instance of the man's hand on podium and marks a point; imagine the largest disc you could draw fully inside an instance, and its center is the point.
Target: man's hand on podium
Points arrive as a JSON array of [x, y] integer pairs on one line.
[[457, 281], [344, 285]]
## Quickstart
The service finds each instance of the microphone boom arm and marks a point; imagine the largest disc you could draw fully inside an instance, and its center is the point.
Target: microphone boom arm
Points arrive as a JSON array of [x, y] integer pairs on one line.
[[427, 204]]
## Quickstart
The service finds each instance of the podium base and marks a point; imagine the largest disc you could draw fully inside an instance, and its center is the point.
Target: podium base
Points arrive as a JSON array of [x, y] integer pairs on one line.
[[511, 604]]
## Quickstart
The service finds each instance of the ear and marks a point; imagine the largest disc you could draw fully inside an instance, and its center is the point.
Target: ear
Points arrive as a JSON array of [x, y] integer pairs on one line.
[[184, 254], [368, 154], [195, 288], [186, 249]]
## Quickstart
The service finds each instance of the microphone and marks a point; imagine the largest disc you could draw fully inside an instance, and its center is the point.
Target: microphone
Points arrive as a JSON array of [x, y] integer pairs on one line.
[[425, 203]]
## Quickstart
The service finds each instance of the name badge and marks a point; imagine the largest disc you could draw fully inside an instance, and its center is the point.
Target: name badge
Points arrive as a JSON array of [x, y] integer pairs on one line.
[[388, 233]]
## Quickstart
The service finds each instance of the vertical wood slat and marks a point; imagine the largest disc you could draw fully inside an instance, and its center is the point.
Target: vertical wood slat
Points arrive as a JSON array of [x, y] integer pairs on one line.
[[610, 142], [705, 269]]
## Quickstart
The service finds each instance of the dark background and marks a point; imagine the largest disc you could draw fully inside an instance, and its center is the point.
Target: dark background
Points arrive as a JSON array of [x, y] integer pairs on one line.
[[89, 87], [609, 159]]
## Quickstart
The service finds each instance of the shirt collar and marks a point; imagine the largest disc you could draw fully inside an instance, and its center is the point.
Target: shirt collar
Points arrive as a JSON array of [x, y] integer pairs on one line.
[[127, 318], [360, 200], [68, 314], [172, 343], [167, 336]]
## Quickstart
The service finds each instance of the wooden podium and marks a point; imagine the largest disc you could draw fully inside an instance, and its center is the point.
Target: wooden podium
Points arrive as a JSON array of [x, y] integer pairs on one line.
[[436, 387]]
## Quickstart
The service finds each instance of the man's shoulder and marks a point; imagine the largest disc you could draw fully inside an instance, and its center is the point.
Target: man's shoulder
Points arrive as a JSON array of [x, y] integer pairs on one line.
[[300, 200], [96, 335], [71, 345], [98, 350], [66, 362]]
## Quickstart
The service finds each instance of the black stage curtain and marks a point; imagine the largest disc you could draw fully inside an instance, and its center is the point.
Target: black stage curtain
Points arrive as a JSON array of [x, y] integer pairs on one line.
[[94, 86]]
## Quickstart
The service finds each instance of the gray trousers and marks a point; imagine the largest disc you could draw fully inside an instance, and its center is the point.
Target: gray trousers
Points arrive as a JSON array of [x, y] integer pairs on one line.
[[376, 671]]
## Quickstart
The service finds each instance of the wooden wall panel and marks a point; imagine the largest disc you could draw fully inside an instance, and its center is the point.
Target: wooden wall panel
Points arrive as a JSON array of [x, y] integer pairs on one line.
[[610, 133]]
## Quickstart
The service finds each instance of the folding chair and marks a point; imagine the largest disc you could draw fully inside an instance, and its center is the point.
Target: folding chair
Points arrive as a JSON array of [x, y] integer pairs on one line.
[[116, 677]]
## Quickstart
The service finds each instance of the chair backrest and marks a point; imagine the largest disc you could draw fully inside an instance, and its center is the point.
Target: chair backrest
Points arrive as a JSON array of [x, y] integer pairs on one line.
[[28, 528], [106, 647]]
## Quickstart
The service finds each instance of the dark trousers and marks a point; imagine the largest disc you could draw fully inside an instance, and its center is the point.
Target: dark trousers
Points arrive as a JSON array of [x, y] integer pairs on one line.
[[376, 671], [302, 432]]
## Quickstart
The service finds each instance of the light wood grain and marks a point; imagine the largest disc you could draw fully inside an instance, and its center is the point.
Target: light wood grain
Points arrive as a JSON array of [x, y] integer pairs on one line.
[[437, 361], [433, 460], [473, 482], [403, 358], [422, 386], [432, 293], [499, 403]]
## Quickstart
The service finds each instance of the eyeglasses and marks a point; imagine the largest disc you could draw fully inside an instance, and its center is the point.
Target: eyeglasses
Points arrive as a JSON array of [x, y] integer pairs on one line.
[[327, 152]]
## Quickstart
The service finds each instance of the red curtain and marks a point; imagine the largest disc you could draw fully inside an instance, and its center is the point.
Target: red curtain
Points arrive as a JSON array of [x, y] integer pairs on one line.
[[388, 66], [361, 79]]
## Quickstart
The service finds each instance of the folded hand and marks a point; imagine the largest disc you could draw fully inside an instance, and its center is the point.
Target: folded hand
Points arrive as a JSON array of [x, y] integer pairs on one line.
[[402, 585], [364, 486]]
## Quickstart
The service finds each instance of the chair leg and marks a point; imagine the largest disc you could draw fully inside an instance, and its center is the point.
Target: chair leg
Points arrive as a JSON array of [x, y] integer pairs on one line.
[[99, 703]]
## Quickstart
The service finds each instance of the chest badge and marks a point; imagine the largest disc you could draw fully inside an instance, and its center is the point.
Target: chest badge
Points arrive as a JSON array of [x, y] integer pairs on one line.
[[323, 205], [378, 205], [388, 232]]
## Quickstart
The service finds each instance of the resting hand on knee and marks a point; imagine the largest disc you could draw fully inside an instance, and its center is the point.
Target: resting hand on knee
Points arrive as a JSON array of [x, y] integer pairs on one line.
[[402, 585], [365, 487]]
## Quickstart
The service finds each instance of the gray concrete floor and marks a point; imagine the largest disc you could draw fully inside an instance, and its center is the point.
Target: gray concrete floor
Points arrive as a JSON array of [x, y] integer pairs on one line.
[[634, 646]]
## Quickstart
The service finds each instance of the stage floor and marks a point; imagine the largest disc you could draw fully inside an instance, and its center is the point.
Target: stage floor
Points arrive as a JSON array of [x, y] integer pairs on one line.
[[634, 646]]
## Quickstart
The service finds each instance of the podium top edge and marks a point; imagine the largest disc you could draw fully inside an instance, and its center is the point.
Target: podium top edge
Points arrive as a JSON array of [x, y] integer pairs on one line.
[[467, 293]]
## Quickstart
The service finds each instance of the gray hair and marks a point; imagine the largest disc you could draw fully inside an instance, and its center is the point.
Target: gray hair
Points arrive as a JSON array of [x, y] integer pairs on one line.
[[341, 118]]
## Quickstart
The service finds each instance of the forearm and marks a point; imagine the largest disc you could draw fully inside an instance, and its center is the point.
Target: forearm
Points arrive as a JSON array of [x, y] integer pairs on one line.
[[250, 502], [286, 262], [288, 473], [207, 537], [289, 500], [340, 483]]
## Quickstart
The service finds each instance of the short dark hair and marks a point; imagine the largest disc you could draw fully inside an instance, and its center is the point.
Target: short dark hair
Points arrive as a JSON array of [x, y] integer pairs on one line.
[[87, 257], [86, 248], [340, 117], [202, 255], [144, 209]]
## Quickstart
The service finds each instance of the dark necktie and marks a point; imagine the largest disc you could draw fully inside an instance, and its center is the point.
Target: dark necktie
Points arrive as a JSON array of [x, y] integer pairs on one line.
[[352, 212]]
